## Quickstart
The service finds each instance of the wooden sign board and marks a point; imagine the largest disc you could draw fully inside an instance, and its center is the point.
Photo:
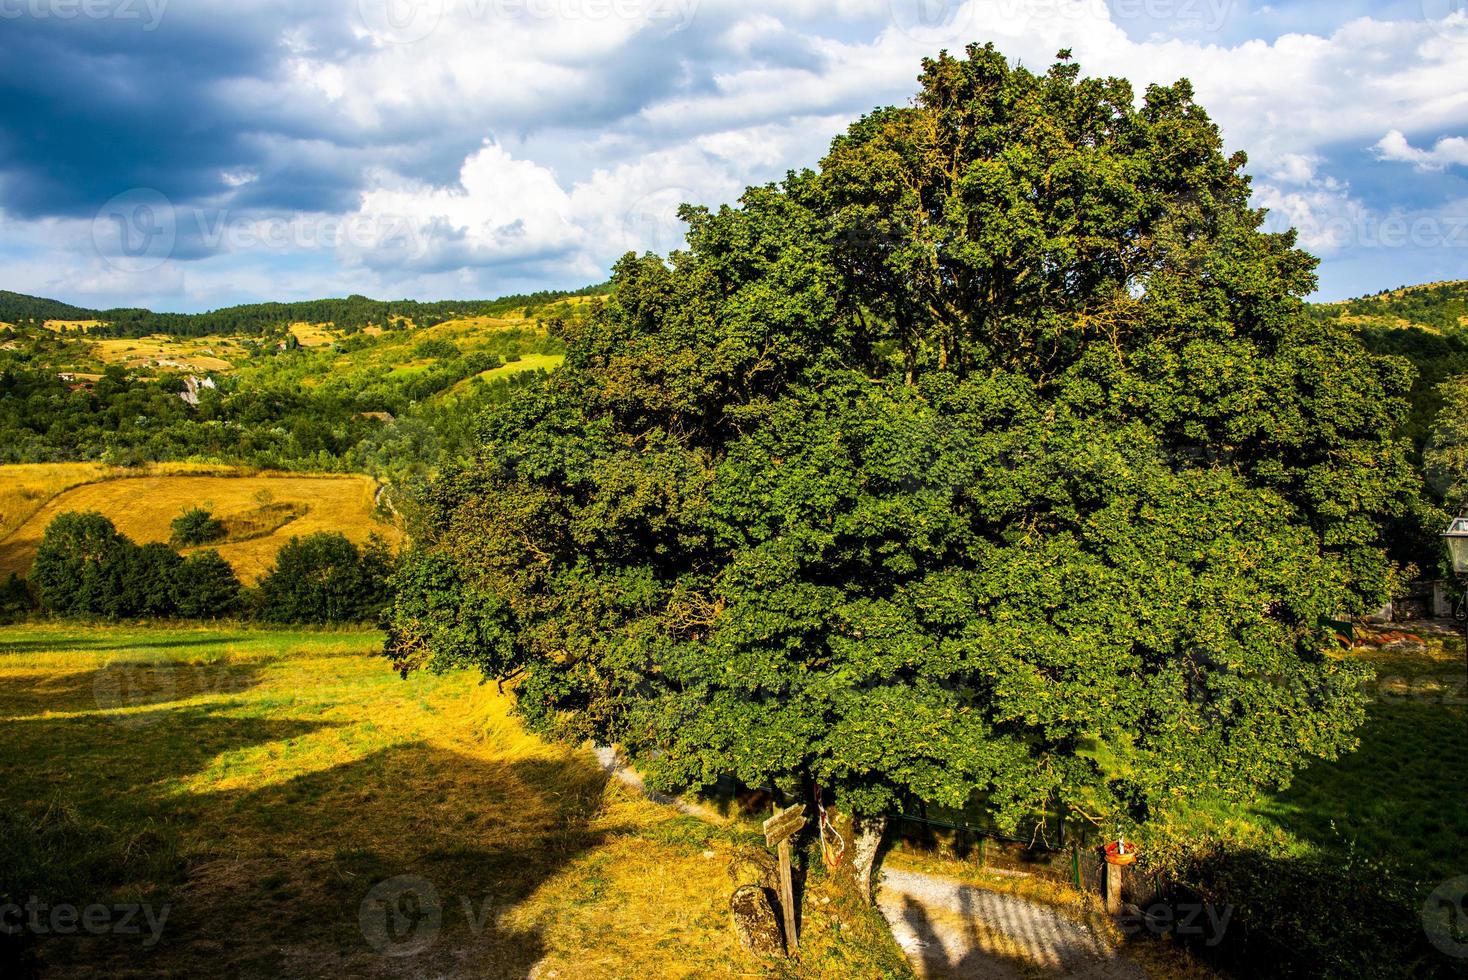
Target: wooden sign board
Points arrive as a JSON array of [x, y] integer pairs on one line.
[[784, 825]]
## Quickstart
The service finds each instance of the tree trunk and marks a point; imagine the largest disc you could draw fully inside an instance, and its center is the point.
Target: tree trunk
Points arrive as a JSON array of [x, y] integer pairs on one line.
[[869, 831]]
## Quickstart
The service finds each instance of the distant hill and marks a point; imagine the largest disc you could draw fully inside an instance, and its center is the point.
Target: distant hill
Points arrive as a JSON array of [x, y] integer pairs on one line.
[[1426, 324], [16, 307], [350, 314], [1440, 307]]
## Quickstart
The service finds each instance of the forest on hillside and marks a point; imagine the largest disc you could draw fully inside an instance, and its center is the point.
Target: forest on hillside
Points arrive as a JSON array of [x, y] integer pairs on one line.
[[348, 315]]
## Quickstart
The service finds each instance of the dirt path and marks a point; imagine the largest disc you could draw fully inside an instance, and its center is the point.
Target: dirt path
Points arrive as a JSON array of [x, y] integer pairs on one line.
[[952, 930]]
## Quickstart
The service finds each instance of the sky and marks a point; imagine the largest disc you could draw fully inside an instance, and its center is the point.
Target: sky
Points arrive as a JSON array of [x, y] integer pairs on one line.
[[190, 154]]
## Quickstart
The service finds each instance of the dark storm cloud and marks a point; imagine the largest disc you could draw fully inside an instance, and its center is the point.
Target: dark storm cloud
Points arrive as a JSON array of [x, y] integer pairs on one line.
[[94, 107]]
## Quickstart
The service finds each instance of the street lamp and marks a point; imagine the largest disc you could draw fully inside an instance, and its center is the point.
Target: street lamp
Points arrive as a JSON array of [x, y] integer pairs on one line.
[[1457, 538]]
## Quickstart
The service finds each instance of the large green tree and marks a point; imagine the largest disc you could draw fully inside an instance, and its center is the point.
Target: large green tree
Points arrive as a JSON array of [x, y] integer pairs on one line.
[[994, 462]]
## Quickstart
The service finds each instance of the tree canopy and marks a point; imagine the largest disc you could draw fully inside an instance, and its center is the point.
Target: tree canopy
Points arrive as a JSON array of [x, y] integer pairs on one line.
[[996, 461]]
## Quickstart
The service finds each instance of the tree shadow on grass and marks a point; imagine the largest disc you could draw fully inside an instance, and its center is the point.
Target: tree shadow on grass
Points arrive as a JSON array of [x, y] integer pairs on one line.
[[402, 863], [87, 812], [69, 642], [1399, 794], [128, 684], [322, 874]]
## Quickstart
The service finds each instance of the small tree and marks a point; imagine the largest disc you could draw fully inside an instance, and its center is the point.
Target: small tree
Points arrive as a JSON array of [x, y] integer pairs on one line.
[[146, 583], [196, 526], [324, 578], [79, 564], [206, 587]]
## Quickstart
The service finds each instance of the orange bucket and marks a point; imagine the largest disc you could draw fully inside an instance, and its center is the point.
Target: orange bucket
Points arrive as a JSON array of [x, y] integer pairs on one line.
[[1120, 853]]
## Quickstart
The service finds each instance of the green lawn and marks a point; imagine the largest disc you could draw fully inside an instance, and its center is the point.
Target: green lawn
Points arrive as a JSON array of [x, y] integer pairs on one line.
[[1404, 791], [1401, 796], [265, 787]]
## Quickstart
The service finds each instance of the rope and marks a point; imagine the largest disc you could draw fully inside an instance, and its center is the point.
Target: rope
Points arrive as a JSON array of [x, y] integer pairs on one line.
[[831, 854]]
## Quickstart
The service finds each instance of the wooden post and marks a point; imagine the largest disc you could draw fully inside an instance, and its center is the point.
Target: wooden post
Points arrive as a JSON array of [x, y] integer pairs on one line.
[[784, 825], [787, 896], [1112, 875]]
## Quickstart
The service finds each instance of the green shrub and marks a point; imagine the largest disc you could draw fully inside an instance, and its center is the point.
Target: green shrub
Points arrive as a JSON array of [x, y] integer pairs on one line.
[[149, 575], [80, 564], [84, 567], [205, 587], [441, 349], [15, 599], [324, 578], [196, 526]]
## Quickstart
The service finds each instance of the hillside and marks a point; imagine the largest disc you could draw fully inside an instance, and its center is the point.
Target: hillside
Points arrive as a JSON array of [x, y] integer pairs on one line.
[[349, 315], [1427, 324], [390, 398], [16, 307], [1438, 307], [261, 511]]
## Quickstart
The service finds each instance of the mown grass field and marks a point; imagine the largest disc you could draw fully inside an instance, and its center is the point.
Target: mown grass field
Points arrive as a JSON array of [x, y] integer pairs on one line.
[[1398, 797], [142, 506], [270, 788]]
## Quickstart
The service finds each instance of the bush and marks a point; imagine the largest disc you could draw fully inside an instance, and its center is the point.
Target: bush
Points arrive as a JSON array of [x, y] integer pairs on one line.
[[441, 349], [325, 578], [149, 576], [85, 567], [205, 587], [196, 526], [15, 599], [79, 565]]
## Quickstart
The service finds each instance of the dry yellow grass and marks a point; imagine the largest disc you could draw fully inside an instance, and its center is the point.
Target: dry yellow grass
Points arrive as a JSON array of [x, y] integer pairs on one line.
[[314, 334], [25, 489], [83, 325], [268, 786], [201, 354], [143, 507]]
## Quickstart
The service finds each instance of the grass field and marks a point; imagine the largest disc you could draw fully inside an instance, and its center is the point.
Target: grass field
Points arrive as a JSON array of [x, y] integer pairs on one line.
[[143, 506], [1402, 792], [530, 362], [194, 354], [1400, 795], [275, 793], [314, 334]]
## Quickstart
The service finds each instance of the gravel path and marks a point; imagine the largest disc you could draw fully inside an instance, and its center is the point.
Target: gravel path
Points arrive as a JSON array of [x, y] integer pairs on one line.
[[956, 931], [952, 930], [613, 765]]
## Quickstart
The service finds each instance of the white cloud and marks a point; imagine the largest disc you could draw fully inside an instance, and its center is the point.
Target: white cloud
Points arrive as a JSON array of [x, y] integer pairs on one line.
[[1449, 151], [510, 146]]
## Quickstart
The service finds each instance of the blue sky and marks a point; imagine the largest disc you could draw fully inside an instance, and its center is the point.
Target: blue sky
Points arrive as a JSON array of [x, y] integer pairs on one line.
[[188, 154]]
